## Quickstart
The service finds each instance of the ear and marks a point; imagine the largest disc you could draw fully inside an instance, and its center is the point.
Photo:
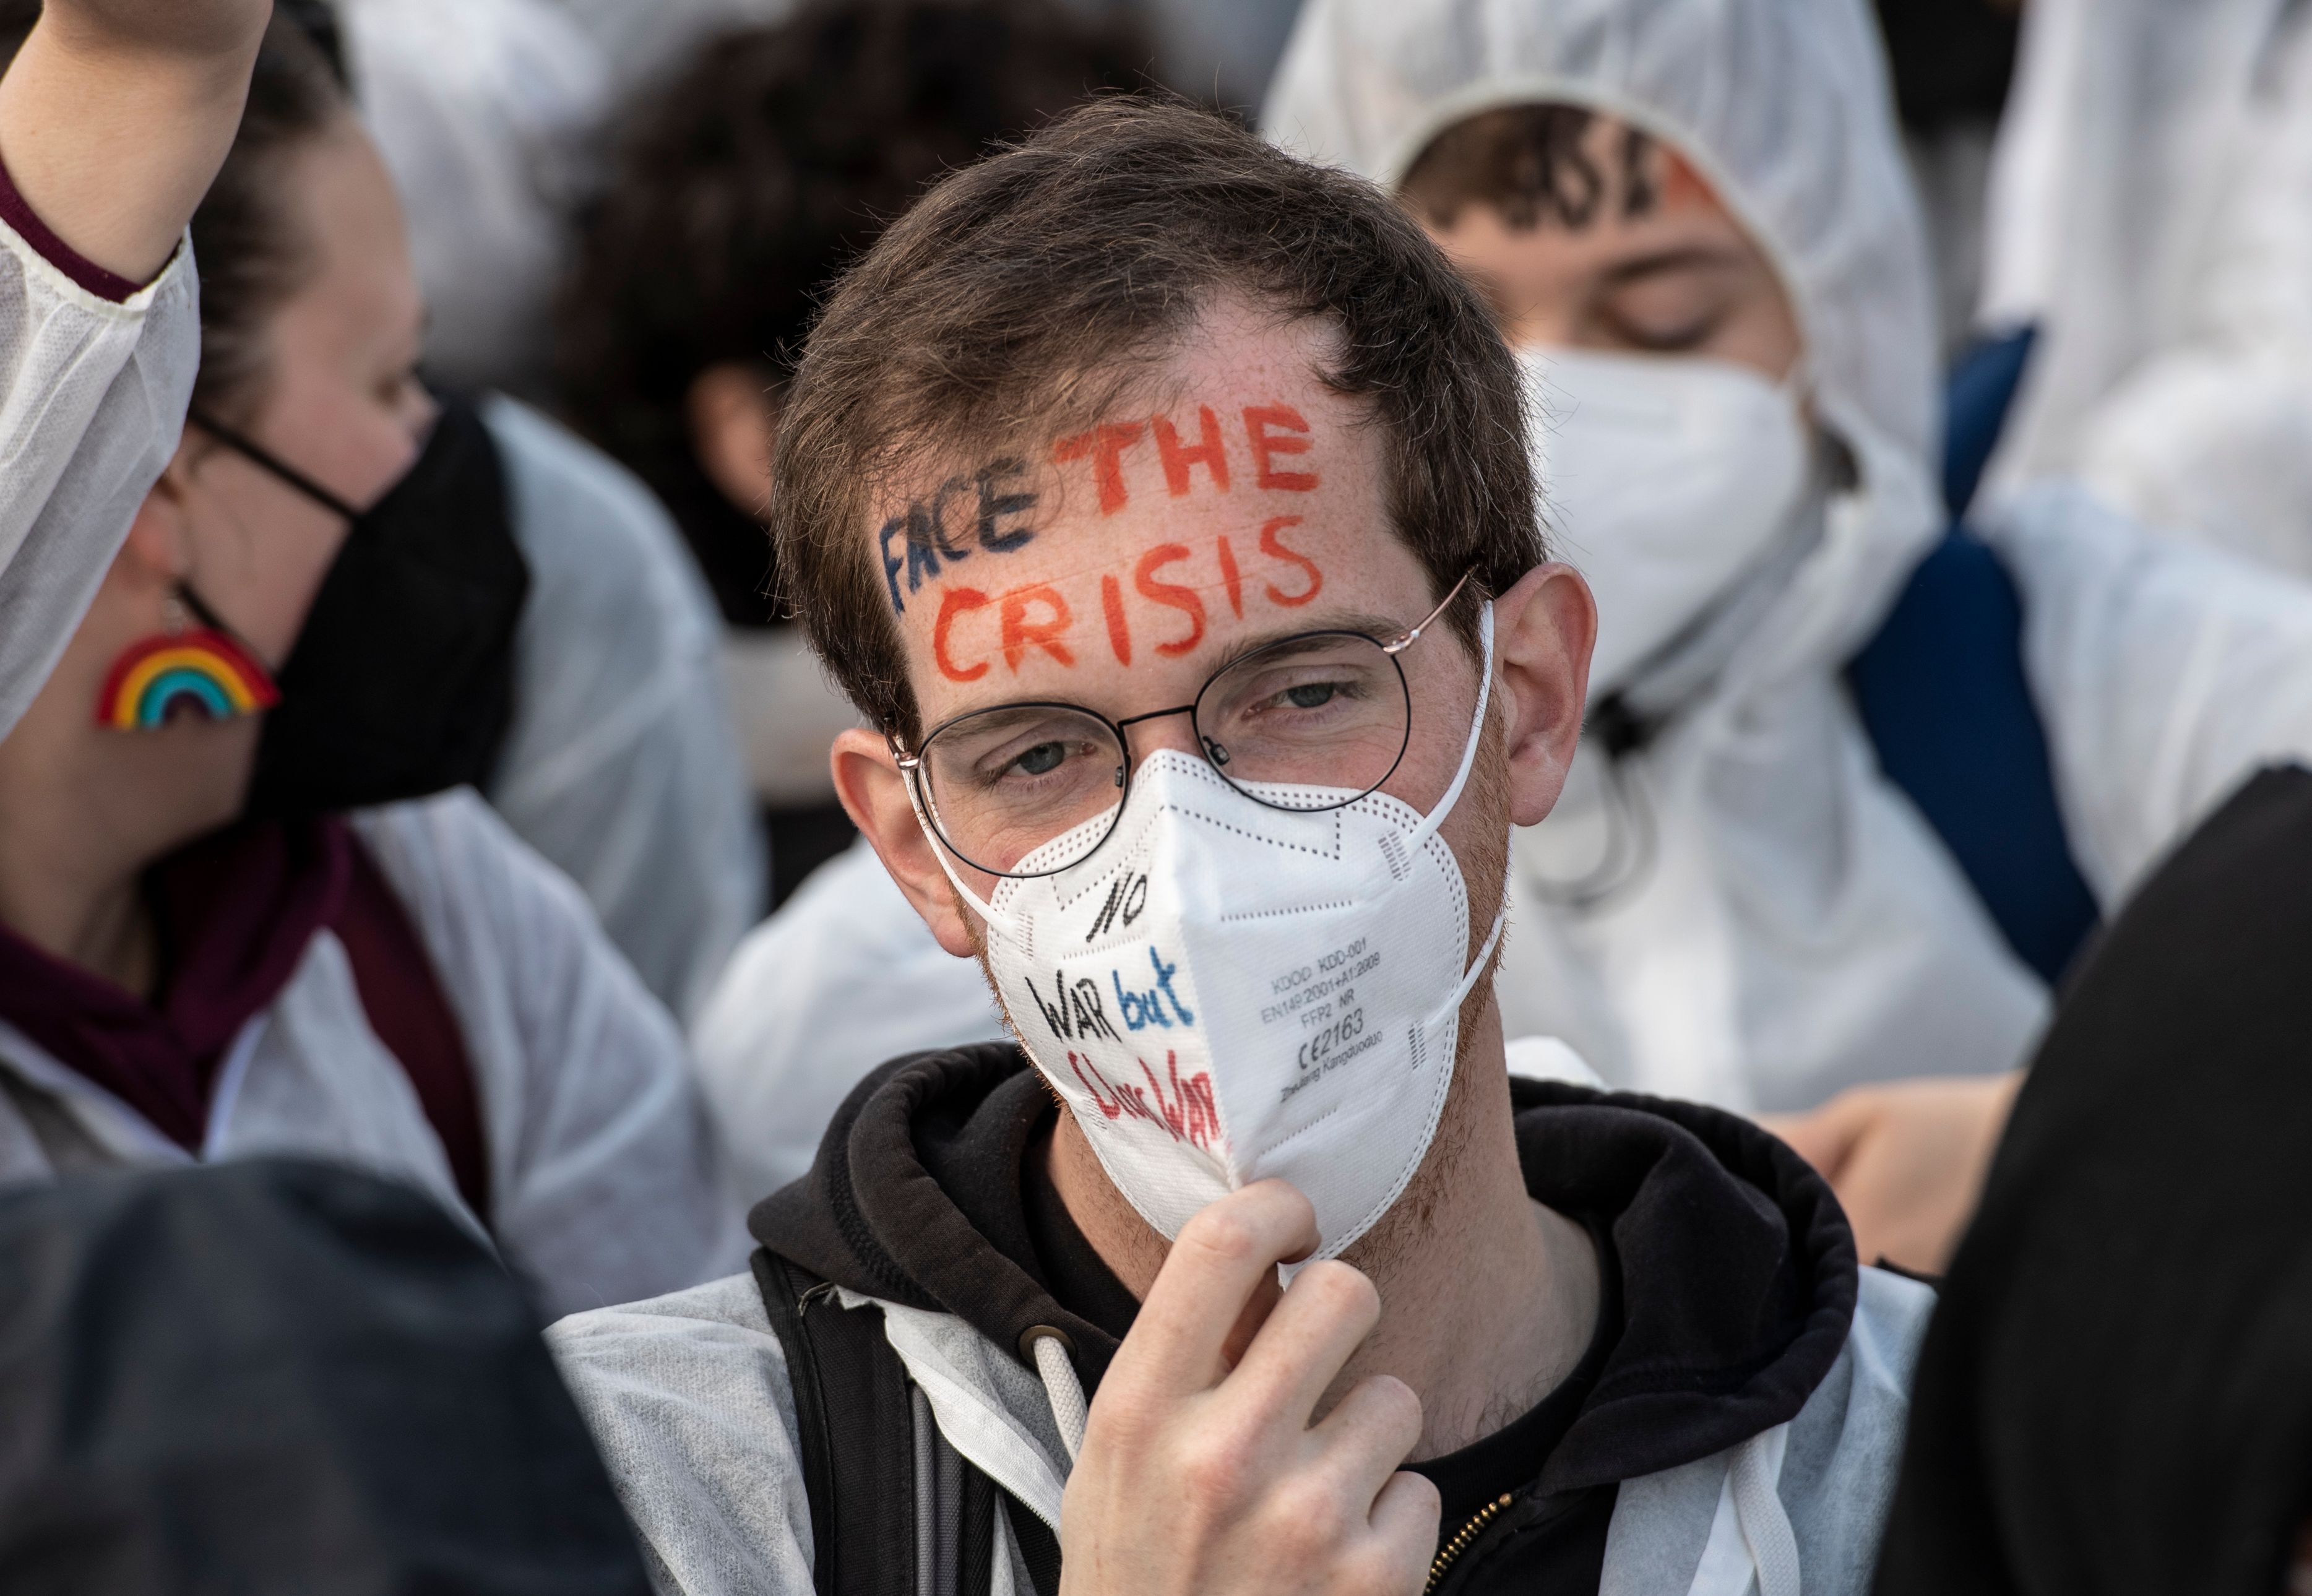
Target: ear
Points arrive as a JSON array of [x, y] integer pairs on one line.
[[158, 550], [1543, 630], [734, 422], [874, 795]]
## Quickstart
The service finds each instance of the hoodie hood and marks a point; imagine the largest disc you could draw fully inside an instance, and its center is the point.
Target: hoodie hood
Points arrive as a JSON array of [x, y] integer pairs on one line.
[[1783, 107], [1738, 1275]]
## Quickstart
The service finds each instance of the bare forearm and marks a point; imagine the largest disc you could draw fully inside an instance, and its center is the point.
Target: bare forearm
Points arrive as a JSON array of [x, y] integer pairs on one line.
[[116, 114]]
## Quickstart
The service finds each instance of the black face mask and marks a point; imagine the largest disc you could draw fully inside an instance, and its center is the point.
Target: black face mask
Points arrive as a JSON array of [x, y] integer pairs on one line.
[[401, 682]]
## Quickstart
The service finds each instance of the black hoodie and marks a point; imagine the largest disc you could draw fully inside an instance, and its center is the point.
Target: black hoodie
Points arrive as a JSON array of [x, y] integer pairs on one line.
[[1730, 1272]]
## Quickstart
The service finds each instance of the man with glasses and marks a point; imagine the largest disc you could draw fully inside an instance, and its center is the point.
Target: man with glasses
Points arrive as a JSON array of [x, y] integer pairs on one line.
[[1163, 503]]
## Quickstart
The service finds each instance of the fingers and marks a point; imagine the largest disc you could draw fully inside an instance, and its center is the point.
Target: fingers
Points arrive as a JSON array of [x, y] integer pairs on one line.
[[1256, 1310], [1404, 1532], [1366, 1437], [1325, 1316], [1219, 1260]]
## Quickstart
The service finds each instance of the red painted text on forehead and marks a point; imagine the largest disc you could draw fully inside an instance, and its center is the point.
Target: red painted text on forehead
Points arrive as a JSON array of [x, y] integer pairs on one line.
[[944, 552]]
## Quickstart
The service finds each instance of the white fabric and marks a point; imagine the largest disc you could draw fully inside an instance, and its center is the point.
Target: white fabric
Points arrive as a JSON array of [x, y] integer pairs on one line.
[[1786, 924], [604, 1178], [789, 713], [2180, 670], [93, 397], [622, 764], [1669, 480], [845, 976], [2151, 210], [688, 1398], [1547, 1058], [486, 111]]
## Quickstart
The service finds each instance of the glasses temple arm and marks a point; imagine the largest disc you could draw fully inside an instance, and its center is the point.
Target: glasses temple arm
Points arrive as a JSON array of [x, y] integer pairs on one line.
[[1412, 635]]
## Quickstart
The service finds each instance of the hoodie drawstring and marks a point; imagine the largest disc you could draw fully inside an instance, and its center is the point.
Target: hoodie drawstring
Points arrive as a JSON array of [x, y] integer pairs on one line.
[[1062, 1389], [1766, 1526], [1751, 1546]]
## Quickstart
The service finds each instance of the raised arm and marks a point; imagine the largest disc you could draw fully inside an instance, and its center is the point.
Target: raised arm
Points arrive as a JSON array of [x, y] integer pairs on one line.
[[116, 114]]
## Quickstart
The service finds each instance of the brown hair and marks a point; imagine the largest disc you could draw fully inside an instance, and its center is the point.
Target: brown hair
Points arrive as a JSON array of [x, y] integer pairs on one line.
[[1034, 288], [250, 250], [1530, 162]]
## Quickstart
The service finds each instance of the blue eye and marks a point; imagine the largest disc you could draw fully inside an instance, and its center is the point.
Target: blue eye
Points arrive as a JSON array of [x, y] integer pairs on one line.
[[1309, 695], [1040, 759]]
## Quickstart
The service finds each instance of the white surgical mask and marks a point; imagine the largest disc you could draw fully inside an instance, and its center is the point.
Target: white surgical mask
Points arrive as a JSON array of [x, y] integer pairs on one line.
[[1223, 992], [1665, 477]]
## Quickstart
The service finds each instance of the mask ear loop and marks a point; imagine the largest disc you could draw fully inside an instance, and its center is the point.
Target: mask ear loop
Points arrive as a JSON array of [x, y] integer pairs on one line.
[[1444, 806], [985, 910], [1436, 816]]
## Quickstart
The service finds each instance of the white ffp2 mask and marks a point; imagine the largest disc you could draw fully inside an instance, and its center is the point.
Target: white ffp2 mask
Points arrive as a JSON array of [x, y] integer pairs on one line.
[[1225, 992], [1666, 478]]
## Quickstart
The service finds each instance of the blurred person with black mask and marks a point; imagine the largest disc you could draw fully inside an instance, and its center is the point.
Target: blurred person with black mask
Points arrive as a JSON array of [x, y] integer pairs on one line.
[[239, 911], [618, 758]]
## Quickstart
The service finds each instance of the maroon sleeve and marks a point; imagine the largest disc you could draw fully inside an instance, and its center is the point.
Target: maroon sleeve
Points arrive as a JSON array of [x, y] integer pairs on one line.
[[58, 253], [403, 1001]]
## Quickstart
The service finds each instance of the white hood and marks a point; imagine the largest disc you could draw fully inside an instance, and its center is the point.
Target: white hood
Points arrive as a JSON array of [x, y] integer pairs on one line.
[[1783, 922], [1783, 105]]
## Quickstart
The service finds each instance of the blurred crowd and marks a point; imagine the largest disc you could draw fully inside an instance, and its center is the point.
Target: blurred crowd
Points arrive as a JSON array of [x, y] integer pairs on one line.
[[651, 650]]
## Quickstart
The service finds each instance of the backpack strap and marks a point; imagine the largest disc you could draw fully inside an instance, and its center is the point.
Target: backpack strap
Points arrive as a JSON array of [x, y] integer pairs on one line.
[[863, 1453], [855, 1427]]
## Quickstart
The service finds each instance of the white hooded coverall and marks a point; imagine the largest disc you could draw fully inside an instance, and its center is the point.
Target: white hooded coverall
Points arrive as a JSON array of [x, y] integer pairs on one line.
[[1799, 928]]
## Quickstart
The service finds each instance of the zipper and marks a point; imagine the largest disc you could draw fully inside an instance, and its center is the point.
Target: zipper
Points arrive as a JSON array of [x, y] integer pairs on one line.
[[1461, 1542]]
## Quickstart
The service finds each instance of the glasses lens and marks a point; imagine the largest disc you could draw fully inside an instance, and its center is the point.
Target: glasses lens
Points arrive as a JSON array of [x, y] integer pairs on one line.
[[1006, 783], [1328, 712]]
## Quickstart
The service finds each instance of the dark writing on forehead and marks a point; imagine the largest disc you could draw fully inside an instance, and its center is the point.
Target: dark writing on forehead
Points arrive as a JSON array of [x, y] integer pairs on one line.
[[1264, 447], [984, 512], [1562, 165]]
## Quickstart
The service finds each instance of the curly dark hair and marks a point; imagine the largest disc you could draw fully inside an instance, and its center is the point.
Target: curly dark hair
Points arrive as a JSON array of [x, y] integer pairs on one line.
[[746, 181], [1024, 294]]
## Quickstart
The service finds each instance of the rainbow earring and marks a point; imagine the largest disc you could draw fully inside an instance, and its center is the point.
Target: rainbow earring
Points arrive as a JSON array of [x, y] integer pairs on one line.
[[203, 671]]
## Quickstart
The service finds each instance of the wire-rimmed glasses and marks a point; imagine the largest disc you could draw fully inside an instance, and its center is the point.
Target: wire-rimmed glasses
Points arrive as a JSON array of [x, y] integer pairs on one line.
[[1311, 721]]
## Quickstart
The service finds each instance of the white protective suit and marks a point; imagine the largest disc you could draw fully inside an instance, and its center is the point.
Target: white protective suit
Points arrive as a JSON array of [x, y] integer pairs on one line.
[[1795, 926], [622, 764], [605, 1181], [95, 397], [2151, 211], [845, 976]]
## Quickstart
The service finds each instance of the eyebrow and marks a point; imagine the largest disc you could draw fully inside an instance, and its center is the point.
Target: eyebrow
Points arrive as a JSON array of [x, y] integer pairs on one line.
[[1364, 623]]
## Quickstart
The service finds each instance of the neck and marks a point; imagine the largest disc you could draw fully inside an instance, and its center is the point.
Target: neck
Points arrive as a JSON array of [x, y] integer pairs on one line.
[[74, 849], [1488, 1299], [74, 904]]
